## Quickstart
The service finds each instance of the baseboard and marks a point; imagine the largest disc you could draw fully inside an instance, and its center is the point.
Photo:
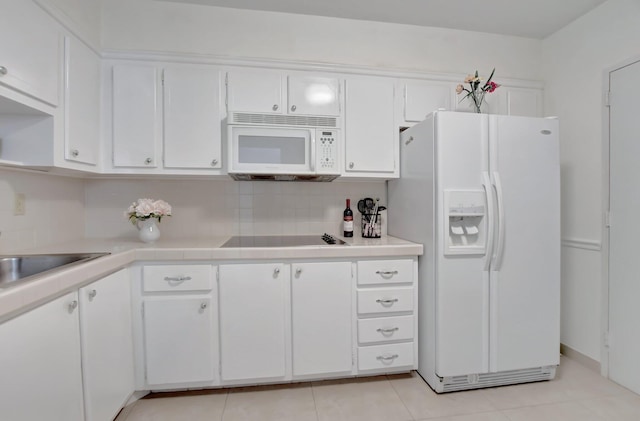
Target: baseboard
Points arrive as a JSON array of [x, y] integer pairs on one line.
[[580, 357]]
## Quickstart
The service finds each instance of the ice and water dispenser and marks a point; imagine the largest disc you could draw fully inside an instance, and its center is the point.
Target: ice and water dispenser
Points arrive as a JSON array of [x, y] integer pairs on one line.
[[465, 222]]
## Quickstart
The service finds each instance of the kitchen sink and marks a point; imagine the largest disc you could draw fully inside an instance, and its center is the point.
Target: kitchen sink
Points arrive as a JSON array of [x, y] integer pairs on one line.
[[17, 269]]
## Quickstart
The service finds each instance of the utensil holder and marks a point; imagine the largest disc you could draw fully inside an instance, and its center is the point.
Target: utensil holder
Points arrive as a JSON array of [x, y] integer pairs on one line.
[[371, 225]]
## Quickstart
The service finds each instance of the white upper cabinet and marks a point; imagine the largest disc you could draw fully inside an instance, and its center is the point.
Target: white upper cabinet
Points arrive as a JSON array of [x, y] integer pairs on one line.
[[192, 127], [422, 98], [523, 102], [137, 116], [312, 95], [265, 91], [371, 135], [31, 56], [82, 103], [255, 91]]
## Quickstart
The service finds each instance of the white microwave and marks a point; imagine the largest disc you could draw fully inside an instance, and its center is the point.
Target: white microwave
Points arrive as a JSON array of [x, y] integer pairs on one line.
[[285, 152]]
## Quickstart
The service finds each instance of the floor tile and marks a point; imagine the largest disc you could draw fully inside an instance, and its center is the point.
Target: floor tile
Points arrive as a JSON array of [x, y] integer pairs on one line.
[[369, 399], [271, 403], [618, 408], [200, 407], [564, 411], [422, 402]]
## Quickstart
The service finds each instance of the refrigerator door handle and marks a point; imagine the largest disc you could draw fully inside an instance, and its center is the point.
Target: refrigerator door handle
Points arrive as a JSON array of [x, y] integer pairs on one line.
[[488, 189], [497, 257]]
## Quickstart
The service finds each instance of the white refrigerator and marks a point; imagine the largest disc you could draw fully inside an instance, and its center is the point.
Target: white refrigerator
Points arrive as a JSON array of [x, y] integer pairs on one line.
[[482, 194]]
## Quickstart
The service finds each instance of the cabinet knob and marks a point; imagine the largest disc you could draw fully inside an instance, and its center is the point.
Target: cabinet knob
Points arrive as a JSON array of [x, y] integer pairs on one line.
[[148, 161], [3, 70], [75, 153], [92, 294], [293, 108], [275, 107], [73, 305], [214, 162], [203, 306], [276, 271], [298, 271], [351, 164]]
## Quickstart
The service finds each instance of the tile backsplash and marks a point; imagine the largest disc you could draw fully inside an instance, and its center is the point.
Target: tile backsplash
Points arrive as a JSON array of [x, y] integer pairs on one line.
[[54, 210], [213, 208], [60, 209]]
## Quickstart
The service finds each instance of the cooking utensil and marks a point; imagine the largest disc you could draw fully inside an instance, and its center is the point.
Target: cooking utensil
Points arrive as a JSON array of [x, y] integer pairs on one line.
[[365, 205]]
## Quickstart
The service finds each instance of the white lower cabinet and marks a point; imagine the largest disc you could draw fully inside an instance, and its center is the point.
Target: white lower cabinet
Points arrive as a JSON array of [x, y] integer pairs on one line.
[[107, 345], [40, 363], [253, 321], [321, 318], [178, 333]]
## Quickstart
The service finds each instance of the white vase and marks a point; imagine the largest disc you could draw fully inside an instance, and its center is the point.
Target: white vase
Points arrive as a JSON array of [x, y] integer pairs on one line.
[[148, 230]]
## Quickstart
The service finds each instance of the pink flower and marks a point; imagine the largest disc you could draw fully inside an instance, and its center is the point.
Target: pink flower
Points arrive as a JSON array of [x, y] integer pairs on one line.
[[492, 86], [459, 89]]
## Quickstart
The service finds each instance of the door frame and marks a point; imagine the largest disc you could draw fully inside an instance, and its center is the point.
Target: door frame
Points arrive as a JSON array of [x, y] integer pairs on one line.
[[606, 201]]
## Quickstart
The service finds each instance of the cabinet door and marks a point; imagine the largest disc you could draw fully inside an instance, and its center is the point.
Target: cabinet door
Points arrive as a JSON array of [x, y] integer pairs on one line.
[[192, 126], [370, 134], [255, 91], [522, 102], [311, 95], [321, 318], [82, 100], [40, 363], [107, 346], [31, 50], [422, 98], [179, 341], [253, 321], [137, 119]]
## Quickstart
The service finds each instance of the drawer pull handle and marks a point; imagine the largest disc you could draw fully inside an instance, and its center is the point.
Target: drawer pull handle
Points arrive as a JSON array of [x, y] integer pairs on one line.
[[387, 357], [386, 302], [386, 272], [177, 278], [387, 330]]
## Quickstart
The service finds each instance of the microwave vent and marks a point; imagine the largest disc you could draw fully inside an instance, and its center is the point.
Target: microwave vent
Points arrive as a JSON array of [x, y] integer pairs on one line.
[[282, 120]]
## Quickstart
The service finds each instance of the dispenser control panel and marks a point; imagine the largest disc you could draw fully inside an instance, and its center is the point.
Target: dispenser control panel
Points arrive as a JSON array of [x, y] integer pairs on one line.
[[465, 222]]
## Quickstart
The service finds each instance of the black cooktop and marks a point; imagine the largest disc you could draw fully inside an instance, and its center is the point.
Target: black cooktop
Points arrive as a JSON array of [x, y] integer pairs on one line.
[[283, 241]]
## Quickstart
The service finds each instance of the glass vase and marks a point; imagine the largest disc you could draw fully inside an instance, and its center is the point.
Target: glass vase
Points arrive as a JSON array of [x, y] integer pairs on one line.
[[148, 230]]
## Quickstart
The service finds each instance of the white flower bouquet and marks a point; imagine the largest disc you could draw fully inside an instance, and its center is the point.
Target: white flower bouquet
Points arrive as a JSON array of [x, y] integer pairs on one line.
[[144, 209]]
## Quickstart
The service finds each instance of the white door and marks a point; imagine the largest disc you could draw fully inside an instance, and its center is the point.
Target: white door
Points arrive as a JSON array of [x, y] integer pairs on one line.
[[178, 339], [462, 299], [192, 135], [370, 134], [255, 91], [525, 273], [312, 95], [321, 315], [107, 345], [82, 103], [253, 321], [624, 190], [137, 116], [40, 364]]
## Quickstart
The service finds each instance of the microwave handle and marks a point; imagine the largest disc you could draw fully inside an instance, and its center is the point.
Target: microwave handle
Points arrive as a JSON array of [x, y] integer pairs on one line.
[[313, 153]]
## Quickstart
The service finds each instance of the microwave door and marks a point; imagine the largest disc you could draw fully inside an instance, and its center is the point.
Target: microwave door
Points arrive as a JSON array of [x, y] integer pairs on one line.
[[272, 150]]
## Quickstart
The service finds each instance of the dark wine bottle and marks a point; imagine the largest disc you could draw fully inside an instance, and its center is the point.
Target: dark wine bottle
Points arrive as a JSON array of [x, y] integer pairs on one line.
[[347, 220]]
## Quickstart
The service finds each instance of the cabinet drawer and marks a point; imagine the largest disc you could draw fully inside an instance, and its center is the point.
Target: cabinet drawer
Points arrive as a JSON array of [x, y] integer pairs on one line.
[[177, 278], [385, 356], [381, 300], [385, 329], [371, 272]]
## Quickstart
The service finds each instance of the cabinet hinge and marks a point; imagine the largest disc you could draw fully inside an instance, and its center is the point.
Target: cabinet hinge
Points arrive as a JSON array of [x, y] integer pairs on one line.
[[607, 219], [607, 99], [605, 339], [226, 89]]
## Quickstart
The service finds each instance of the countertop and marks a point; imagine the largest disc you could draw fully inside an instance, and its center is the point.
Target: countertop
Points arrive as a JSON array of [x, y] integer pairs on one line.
[[19, 298]]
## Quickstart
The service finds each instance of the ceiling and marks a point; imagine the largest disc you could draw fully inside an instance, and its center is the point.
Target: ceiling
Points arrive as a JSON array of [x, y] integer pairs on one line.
[[525, 18]]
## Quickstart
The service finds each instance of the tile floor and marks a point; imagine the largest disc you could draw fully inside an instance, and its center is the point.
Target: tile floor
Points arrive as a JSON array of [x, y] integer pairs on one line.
[[577, 393]]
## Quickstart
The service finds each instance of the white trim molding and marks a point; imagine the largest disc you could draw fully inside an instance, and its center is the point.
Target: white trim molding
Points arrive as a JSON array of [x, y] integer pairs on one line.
[[580, 243]]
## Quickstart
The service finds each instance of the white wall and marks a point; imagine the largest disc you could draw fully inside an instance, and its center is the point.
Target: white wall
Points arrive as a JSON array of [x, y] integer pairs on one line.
[[81, 16], [163, 26], [217, 208], [574, 61], [54, 210]]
